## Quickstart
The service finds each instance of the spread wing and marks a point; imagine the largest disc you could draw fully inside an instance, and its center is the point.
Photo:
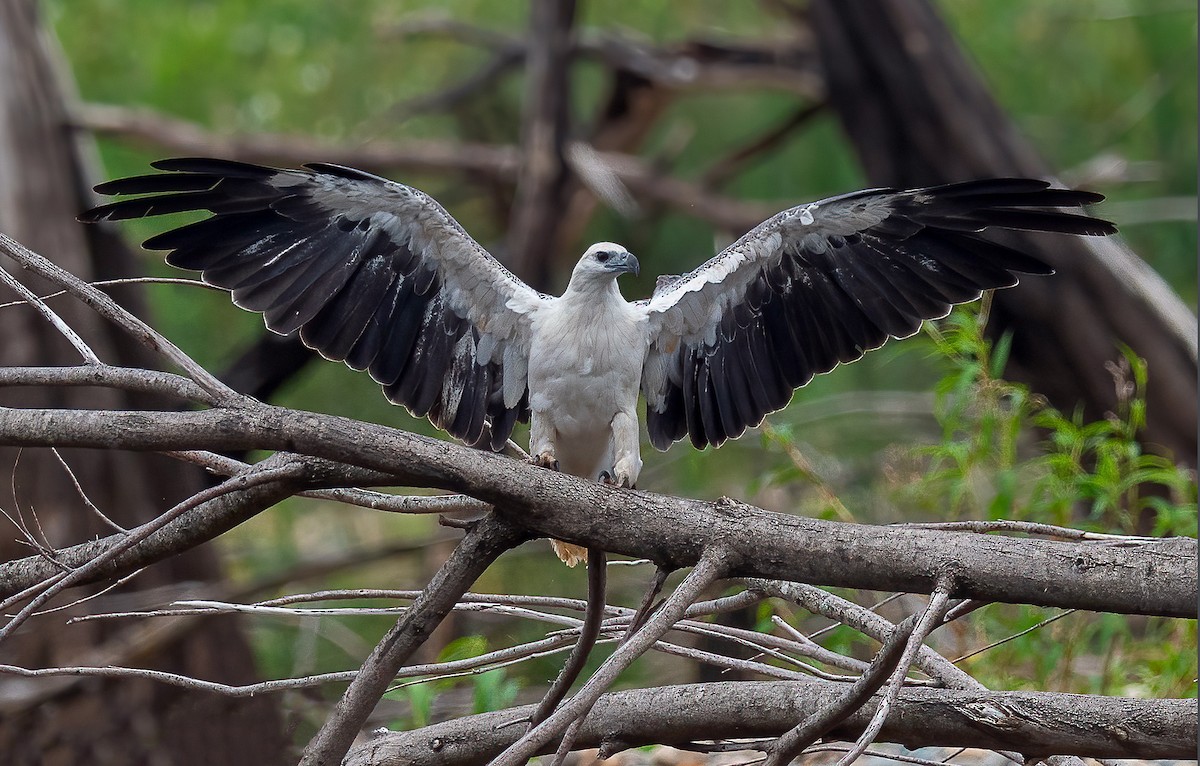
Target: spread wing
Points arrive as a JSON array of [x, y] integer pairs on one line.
[[370, 272], [823, 283]]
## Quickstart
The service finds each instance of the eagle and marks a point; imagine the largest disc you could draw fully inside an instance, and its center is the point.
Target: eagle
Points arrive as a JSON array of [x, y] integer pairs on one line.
[[378, 275]]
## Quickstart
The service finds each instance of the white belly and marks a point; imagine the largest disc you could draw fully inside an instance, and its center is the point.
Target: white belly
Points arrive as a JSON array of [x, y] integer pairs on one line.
[[583, 370]]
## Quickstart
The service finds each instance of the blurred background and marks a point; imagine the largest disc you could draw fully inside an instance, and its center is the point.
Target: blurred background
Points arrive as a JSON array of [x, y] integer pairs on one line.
[[672, 128]]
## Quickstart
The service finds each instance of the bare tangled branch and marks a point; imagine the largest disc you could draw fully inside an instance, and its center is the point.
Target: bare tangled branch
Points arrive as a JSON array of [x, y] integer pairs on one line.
[[324, 456], [1043, 723]]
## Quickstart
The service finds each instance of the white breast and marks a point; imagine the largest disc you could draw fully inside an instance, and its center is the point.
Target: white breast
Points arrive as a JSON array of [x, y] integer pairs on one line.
[[585, 363]]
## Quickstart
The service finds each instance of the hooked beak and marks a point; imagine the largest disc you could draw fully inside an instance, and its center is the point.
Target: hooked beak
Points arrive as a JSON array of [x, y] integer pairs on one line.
[[625, 263]]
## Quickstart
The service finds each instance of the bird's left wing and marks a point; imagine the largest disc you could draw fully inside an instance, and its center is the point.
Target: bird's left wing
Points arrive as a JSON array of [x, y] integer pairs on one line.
[[370, 272], [821, 284]]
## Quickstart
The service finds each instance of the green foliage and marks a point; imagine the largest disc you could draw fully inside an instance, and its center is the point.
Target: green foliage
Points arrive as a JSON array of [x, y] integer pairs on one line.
[[1092, 475], [1006, 454], [1001, 452], [491, 689]]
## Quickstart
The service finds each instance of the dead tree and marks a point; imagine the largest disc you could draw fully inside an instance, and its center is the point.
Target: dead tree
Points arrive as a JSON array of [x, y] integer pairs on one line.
[[918, 113], [44, 183]]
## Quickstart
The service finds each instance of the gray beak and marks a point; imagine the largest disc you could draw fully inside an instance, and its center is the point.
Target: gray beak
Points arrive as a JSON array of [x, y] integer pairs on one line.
[[626, 263]]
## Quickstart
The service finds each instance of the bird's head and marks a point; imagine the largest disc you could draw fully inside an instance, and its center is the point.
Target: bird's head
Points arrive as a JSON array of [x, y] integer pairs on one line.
[[603, 263]]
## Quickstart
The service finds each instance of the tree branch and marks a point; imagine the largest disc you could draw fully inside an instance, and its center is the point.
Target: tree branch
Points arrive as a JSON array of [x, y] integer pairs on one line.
[[483, 543], [1153, 577], [1042, 723], [708, 570]]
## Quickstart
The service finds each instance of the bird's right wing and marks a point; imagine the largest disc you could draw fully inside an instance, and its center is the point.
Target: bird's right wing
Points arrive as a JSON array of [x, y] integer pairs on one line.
[[370, 272]]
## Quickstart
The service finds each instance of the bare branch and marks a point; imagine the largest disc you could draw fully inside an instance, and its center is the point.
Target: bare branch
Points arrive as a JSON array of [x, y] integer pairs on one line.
[[155, 129], [708, 570], [271, 470], [808, 731], [110, 310], [930, 619], [1028, 527], [481, 546], [866, 622], [597, 565], [107, 376], [1043, 723], [670, 530], [87, 501], [1006, 639], [55, 320]]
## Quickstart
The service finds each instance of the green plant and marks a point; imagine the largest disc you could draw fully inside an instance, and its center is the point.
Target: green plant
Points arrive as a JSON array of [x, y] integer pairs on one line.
[[492, 689], [1005, 453]]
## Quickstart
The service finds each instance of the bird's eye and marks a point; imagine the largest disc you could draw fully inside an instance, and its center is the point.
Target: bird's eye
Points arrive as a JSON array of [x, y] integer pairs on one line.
[[603, 256]]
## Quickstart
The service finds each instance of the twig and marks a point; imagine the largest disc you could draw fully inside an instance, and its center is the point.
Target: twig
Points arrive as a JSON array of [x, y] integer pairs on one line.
[[727, 167], [87, 501], [44, 549], [106, 307], [708, 570], [808, 731], [597, 575], [930, 619], [482, 544], [866, 622], [186, 682], [884, 754], [55, 320], [98, 594], [645, 607], [1005, 640], [122, 281], [161, 131], [273, 469], [1028, 527]]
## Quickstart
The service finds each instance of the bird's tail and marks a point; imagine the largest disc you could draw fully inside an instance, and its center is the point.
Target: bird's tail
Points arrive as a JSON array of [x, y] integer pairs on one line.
[[570, 553]]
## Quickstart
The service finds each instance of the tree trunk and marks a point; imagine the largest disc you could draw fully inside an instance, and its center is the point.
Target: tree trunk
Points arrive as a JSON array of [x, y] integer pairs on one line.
[[42, 187], [533, 227], [918, 113]]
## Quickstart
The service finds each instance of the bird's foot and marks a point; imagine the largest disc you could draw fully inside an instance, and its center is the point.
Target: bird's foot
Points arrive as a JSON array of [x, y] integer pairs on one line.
[[615, 480], [544, 460]]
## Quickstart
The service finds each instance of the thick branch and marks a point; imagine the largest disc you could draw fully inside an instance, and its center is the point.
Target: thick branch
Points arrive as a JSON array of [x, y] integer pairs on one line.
[[201, 524], [149, 128], [1041, 723], [162, 132], [1155, 577]]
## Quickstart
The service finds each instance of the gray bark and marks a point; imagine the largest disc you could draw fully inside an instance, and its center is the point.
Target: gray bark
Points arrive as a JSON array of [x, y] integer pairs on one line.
[[1145, 577], [1034, 723]]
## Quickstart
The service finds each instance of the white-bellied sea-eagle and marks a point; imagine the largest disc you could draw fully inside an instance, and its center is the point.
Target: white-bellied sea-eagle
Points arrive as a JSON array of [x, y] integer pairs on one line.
[[378, 275]]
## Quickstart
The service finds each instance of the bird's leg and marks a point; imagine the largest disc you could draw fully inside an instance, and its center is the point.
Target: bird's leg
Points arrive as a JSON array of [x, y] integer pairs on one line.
[[627, 448], [541, 453], [541, 442]]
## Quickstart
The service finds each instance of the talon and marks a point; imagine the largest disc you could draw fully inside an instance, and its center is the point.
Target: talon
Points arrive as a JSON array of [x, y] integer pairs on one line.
[[544, 460], [606, 477]]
